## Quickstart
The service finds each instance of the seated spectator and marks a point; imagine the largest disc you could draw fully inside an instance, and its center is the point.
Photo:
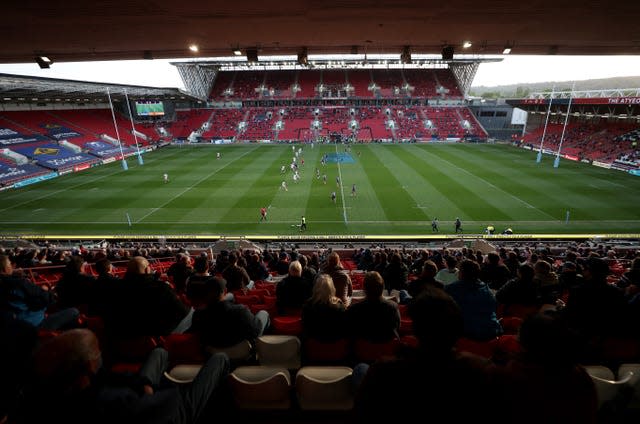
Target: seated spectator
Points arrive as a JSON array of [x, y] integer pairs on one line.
[[147, 306], [375, 318], [105, 289], [69, 386], [75, 288], [323, 314], [449, 274], [25, 301], [256, 269], [292, 291], [493, 273], [424, 281], [308, 273], [236, 276], [596, 308], [179, 272], [396, 274], [14, 361], [451, 384], [547, 282], [521, 290], [477, 302], [222, 323], [197, 291], [341, 279], [632, 276], [545, 383]]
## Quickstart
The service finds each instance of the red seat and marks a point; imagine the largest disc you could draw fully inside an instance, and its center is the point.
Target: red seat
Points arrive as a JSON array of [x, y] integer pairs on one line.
[[484, 348], [184, 348], [288, 325], [317, 352], [366, 351], [510, 325]]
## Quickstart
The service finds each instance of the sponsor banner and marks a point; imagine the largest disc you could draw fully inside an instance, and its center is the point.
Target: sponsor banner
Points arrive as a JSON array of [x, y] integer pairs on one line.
[[60, 162], [635, 172], [108, 160], [81, 167], [601, 164], [65, 171], [629, 100], [11, 173], [59, 132], [22, 139], [7, 133], [33, 180], [570, 157], [7, 187]]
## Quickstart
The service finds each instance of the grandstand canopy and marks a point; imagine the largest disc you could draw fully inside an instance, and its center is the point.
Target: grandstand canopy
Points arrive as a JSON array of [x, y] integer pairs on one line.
[[21, 89], [75, 30]]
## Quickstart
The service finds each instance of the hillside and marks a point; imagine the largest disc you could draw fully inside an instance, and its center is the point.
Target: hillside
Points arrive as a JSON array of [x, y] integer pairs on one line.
[[523, 89]]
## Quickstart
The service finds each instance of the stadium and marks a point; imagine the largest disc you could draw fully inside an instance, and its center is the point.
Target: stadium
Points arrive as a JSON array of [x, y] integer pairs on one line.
[[317, 129]]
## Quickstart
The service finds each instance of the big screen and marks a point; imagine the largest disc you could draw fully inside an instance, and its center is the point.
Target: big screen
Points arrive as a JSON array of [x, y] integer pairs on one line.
[[149, 108]]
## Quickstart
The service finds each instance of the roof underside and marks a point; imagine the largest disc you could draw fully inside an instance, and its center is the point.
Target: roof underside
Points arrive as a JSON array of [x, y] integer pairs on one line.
[[76, 30]]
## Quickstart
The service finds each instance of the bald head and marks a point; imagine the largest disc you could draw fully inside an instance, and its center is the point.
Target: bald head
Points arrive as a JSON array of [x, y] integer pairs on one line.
[[138, 265]]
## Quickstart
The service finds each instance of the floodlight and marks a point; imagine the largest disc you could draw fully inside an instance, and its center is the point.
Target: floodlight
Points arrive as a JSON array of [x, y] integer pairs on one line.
[[43, 62]]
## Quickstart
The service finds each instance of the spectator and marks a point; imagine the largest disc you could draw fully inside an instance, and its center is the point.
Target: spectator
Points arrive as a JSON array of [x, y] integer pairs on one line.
[[224, 324], [449, 274], [520, 290], [323, 315], [396, 274], [423, 282], [236, 276], [292, 291], [147, 306], [69, 385], [75, 288], [375, 318], [493, 273], [444, 376], [341, 279], [25, 301], [477, 302], [545, 383]]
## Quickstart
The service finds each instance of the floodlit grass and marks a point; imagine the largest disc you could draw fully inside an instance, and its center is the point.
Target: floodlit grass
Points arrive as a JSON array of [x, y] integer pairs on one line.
[[400, 188]]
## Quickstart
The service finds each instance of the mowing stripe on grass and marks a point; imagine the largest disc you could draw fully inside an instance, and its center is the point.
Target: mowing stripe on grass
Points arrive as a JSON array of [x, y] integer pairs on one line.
[[191, 186], [344, 209]]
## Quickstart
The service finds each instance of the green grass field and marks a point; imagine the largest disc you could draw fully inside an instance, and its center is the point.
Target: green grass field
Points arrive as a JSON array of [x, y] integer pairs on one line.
[[400, 188]]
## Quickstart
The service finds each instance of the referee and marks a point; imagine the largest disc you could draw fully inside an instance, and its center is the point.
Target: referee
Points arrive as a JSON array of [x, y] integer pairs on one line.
[[303, 223]]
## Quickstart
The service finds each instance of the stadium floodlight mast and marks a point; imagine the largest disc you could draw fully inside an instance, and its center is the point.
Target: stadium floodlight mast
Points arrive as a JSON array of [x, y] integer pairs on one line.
[[113, 115], [133, 128], [556, 163], [546, 121]]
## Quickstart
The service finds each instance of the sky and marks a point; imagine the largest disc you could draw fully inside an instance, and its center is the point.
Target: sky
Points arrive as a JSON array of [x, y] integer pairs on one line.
[[513, 69]]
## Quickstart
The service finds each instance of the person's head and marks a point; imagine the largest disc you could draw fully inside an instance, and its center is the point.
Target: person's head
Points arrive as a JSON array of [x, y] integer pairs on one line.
[[103, 266], [429, 269], [324, 291], [295, 269], [333, 260], [373, 285], [138, 265], [5, 265], [436, 319], [595, 269], [542, 268], [216, 288], [493, 258], [469, 270], [547, 339], [451, 262], [75, 265], [68, 361], [525, 272], [201, 265]]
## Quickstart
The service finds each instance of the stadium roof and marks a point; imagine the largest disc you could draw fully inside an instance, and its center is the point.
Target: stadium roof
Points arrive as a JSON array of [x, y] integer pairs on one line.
[[75, 30], [22, 89]]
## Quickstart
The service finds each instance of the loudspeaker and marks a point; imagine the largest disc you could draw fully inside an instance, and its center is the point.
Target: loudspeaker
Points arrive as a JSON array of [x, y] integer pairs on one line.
[[252, 55], [447, 53]]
